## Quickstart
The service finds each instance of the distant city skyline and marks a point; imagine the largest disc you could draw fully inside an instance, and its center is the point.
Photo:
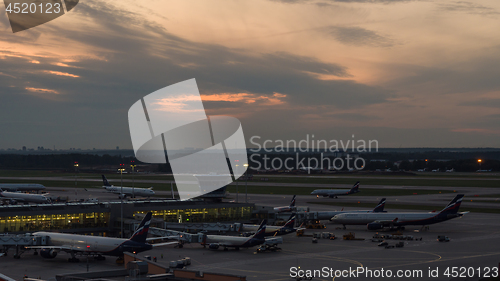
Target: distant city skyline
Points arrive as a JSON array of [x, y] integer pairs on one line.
[[404, 73]]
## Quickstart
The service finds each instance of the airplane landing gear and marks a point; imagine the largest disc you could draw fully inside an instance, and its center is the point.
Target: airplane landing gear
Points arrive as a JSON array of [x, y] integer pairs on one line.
[[73, 258], [225, 249], [100, 258]]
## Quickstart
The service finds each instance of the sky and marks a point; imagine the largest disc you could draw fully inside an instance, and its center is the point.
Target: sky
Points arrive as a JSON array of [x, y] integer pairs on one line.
[[404, 73]]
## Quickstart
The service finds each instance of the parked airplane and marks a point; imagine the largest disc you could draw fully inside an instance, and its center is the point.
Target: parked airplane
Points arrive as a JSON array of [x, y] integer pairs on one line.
[[14, 197], [127, 191], [21, 187], [327, 215], [375, 221], [333, 193], [237, 242], [290, 208], [96, 245], [273, 230]]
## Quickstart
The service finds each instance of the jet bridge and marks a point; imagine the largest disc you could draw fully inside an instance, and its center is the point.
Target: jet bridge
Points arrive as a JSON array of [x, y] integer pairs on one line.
[[19, 241], [184, 237], [210, 227]]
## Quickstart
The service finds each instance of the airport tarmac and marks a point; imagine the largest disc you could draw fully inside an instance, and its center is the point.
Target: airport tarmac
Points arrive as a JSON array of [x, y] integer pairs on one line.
[[474, 243], [470, 199]]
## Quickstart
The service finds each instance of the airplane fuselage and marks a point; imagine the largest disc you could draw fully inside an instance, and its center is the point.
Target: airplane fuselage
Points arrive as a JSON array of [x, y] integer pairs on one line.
[[331, 192], [130, 191], [94, 244], [232, 241], [270, 230], [24, 197], [402, 218]]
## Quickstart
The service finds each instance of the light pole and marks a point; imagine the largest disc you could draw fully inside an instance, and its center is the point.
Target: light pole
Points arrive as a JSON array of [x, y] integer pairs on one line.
[[246, 182], [76, 168], [76, 181], [121, 199], [133, 178], [237, 192], [479, 161]]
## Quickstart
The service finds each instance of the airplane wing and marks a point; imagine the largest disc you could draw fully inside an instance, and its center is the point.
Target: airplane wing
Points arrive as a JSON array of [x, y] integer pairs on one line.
[[60, 248], [164, 244], [386, 223], [163, 237]]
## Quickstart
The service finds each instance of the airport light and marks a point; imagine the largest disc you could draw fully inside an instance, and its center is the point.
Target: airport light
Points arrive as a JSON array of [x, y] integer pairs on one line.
[[479, 161], [76, 169]]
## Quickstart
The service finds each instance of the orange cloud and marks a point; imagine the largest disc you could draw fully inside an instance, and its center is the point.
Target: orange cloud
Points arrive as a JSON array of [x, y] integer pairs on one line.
[[62, 73], [41, 90], [246, 98]]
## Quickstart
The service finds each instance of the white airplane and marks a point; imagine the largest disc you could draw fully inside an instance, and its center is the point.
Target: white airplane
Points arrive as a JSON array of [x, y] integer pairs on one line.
[[14, 197], [290, 208], [96, 245], [328, 215], [376, 221], [237, 242], [127, 191], [333, 193], [273, 230], [21, 187]]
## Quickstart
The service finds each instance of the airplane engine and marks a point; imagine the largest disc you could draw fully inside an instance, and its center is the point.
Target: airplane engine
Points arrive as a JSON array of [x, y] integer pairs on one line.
[[375, 226], [48, 253], [213, 246]]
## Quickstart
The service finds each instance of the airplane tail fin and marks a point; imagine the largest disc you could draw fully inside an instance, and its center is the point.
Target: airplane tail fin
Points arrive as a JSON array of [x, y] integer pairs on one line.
[[260, 234], [292, 203], [291, 222], [355, 187], [454, 205], [105, 181], [380, 206], [141, 233]]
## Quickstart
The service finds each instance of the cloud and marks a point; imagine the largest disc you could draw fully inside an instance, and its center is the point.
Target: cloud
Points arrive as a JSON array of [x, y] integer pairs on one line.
[[59, 73], [357, 36], [484, 102], [136, 58], [40, 90], [467, 7], [325, 2]]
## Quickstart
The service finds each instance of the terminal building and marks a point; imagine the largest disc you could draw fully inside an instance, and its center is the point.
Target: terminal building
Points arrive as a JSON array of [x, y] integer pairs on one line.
[[105, 218]]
